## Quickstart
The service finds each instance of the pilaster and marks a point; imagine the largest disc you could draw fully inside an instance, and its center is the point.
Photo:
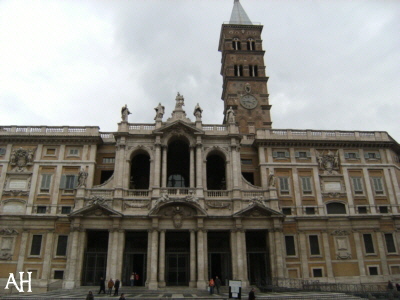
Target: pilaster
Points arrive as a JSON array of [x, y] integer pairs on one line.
[[192, 282], [161, 273]]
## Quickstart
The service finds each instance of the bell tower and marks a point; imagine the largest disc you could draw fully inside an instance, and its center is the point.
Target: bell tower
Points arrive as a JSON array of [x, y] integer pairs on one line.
[[243, 72]]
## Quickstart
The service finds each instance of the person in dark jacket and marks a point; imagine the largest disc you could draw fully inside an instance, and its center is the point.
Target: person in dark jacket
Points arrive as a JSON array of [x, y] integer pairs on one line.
[[90, 296], [102, 285], [110, 286], [116, 287], [252, 296], [217, 283]]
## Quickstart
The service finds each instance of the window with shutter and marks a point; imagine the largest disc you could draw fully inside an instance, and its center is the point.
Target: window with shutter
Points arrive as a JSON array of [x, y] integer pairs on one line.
[[45, 183], [73, 152], [306, 185], [284, 185], [390, 244], [357, 185], [378, 186]]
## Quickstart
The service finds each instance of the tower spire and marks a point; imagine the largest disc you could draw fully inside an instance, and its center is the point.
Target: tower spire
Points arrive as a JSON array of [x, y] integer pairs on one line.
[[238, 15]]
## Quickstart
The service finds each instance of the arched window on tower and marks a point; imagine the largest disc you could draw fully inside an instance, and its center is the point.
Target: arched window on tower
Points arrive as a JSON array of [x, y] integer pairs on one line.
[[238, 70], [236, 44], [253, 71], [140, 172], [215, 172], [251, 44]]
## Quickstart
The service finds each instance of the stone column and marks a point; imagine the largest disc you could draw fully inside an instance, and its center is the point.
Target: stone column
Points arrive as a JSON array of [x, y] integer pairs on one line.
[[161, 274], [72, 254], [370, 193], [120, 253], [272, 253], [111, 253], [153, 283], [80, 257], [296, 192], [318, 192], [349, 191], [245, 280], [382, 253], [201, 283], [280, 261], [199, 167], [164, 165], [303, 255], [235, 167], [157, 166], [149, 234], [191, 149], [235, 273], [263, 170], [205, 255], [192, 282], [327, 253], [22, 251], [241, 256], [389, 188], [48, 253], [360, 255]]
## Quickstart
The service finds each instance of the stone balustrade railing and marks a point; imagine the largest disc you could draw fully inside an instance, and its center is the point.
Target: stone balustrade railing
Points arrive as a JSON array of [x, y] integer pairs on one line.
[[217, 194], [293, 134], [50, 130]]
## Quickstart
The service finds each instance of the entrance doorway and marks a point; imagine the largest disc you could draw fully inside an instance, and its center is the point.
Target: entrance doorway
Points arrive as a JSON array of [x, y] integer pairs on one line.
[[258, 264], [219, 256], [95, 257], [177, 253], [135, 257]]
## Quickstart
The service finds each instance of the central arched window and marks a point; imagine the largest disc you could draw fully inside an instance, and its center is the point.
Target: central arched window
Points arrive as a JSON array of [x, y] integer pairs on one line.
[[176, 180]]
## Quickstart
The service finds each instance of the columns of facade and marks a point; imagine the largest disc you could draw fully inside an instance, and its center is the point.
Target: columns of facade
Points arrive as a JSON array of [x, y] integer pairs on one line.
[[157, 166], [119, 253], [73, 247], [164, 166], [396, 190], [235, 273], [48, 253], [56, 186], [111, 254], [199, 166], [318, 192], [303, 255], [349, 190], [389, 187], [263, 170], [382, 253], [153, 283], [272, 253], [80, 257], [297, 192], [245, 279], [370, 194], [161, 273], [205, 247], [22, 251], [280, 261], [192, 168], [201, 282], [192, 282], [119, 164], [241, 257], [360, 256], [148, 263], [92, 165], [327, 253], [235, 166]]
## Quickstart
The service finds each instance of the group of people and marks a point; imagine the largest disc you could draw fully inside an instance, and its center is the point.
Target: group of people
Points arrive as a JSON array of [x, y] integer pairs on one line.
[[111, 284], [391, 287], [91, 297], [217, 284], [134, 277]]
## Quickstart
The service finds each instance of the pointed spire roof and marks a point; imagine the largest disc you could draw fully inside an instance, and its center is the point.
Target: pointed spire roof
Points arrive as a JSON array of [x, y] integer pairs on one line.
[[238, 15]]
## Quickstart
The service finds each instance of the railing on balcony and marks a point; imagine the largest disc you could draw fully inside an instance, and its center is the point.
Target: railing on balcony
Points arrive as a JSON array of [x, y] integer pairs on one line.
[[104, 193], [217, 194], [179, 191], [50, 130], [136, 193], [141, 127]]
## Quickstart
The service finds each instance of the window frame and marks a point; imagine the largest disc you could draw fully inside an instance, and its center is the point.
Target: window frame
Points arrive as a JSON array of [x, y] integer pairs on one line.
[[108, 160], [284, 192], [45, 184], [41, 208], [31, 245], [393, 241], [378, 182], [311, 247], [71, 150], [57, 246], [356, 184], [366, 252], [303, 184], [377, 269], [294, 245], [317, 268]]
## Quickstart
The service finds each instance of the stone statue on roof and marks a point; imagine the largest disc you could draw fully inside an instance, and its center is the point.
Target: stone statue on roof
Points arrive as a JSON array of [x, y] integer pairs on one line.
[[159, 112], [125, 113], [197, 112]]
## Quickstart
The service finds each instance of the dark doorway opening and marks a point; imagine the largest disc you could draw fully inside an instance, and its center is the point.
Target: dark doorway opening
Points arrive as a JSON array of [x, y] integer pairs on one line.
[[215, 173], [105, 175], [135, 257], [177, 252], [258, 264], [140, 172], [219, 256], [95, 257], [249, 177], [178, 164]]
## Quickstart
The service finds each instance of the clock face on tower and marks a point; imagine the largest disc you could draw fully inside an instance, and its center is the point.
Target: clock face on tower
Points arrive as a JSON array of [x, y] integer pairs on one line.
[[248, 101]]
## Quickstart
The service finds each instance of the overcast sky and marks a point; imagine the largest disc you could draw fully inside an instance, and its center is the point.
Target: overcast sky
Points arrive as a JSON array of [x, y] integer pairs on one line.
[[332, 64]]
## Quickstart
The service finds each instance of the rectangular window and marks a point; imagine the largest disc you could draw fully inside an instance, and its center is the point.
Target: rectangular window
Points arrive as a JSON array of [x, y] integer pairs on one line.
[[247, 161], [357, 185], [280, 154], [302, 154], [362, 209], [314, 245], [306, 185], [62, 245], [317, 272], [2, 151], [73, 152], [351, 155], [378, 185], [284, 185], [287, 211], [51, 151], [41, 209], [68, 182], [36, 244], [373, 270], [368, 243], [108, 160], [45, 184], [390, 245], [372, 155], [65, 210], [290, 246], [383, 209], [58, 274], [310, 210]]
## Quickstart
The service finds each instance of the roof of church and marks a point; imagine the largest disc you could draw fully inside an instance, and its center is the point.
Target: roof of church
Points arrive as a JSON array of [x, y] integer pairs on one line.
[[238, 15]]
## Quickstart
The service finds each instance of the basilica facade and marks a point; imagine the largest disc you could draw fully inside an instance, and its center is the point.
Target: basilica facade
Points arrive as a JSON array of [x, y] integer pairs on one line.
[[178, 201]]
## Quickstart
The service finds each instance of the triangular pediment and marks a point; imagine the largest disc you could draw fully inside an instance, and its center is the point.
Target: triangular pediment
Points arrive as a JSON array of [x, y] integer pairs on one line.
[[96, 210], [179, 126], [256, 209]]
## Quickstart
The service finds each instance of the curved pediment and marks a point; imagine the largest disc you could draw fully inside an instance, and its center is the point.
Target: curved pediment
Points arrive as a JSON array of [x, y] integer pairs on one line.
[[188, 207], [96, 210], [257, 209]]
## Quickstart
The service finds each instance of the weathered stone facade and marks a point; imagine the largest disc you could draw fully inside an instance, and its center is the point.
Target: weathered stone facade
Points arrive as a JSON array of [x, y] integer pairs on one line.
[[179, 201]]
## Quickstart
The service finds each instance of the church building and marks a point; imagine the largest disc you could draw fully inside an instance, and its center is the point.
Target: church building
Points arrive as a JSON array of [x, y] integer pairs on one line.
[[178, 201]]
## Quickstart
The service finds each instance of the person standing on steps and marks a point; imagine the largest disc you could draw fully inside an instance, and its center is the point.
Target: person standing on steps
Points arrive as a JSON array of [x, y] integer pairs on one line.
[[133, 279], [116, 287], [211, 284], [122, 297], [252, 296], [102, 285], [217, 283], [110, 286], [90, 296]]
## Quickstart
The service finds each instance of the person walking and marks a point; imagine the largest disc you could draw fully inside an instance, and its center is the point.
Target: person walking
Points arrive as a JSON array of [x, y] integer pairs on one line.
[[217, 283], [211, 284], [116, 287], [102, 285], [110, 286], [252, 295], [90, 296], [133, 279]]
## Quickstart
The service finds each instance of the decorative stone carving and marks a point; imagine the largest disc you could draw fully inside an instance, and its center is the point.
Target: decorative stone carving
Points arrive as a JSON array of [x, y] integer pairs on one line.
[[271, 180], [230, 115], [8, 231], [218, 204], [82, 177], [159, 112], [340, 232], [191, 197], [125, 113], [178, 213], [21, 158], [197, 112], [343, 255], [15, 193], [329, 162], [179, 113], [137, 204], [5, 256], [97, 200], [258, 200]]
